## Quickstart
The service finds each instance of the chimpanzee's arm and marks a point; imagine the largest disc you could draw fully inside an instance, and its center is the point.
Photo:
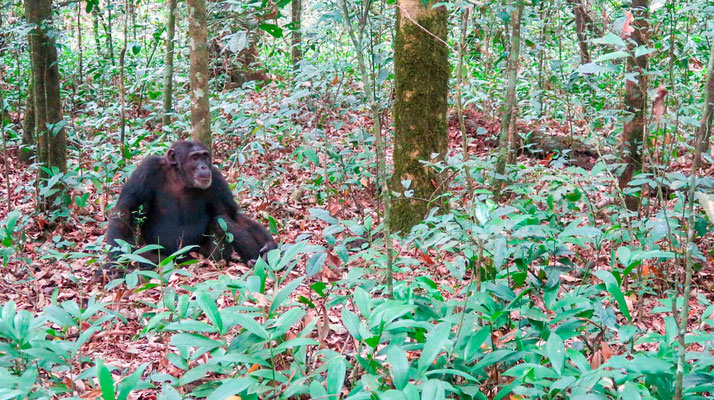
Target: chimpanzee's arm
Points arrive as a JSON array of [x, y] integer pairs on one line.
[[137, 191]]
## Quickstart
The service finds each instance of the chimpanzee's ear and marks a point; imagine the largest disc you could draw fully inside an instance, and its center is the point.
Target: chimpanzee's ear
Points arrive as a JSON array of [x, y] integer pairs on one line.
[[171, 156]]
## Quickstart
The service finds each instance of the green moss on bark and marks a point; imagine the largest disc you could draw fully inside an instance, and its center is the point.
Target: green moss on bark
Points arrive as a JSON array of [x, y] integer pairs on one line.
[[421, 67]]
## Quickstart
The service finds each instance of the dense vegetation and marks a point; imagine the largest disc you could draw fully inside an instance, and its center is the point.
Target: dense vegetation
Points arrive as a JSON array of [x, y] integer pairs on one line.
[[473, 199]]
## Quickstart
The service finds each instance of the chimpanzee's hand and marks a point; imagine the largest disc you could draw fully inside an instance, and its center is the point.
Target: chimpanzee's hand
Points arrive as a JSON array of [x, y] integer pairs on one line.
[[264, 252], [108, 272]]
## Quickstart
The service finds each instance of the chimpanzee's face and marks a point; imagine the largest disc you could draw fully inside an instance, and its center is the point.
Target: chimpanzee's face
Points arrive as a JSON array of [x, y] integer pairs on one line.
[[193, 161]]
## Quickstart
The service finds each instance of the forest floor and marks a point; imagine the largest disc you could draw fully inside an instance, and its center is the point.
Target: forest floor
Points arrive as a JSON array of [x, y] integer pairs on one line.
[[59, 268]]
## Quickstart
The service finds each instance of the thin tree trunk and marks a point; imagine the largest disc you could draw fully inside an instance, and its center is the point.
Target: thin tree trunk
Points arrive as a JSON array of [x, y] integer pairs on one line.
[[4, 148], [421, 75], [459, 101], [95, 27], [296, 32], [580, 26], [28, 125], [169, 64], [122, 88], [633, 132], [198, 50], [79, 42], [702, 141], [371, 96], [110, 40], [511, 101]]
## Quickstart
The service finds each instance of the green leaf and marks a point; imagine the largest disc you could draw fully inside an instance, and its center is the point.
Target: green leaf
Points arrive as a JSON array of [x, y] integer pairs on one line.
[[613, 55], [251, 325], [272, 29], [192, 340], [130, 382], [555, 349], [351, 321], [323, 215], [399, 365], [191, 326], [624, 254], [315, 263], [363, 301], [433, 389], [209, 308], [336, 376], [654, 254], [438, 337], [231, 387], [611, 39], [106, 383], [285, 292], [614, 289]]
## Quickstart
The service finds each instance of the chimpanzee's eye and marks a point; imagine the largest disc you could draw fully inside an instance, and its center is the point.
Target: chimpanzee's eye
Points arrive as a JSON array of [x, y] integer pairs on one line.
[[195, 157]]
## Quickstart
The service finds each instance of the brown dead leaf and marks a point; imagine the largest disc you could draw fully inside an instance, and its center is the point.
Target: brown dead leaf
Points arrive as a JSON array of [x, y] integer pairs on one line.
[[627, 28], [606, 351], [658, 104], [596, 360]]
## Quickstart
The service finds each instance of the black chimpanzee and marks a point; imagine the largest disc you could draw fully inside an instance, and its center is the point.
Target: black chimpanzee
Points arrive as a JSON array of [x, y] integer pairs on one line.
[[178, 200]]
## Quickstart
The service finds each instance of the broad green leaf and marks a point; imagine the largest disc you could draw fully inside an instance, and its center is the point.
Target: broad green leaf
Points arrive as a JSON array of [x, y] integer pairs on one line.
[[614, 289], [209, 308], [438, 337], [336, 376], [555, 349], [285, 292], [611, 39], [106, 383], [231, 387]]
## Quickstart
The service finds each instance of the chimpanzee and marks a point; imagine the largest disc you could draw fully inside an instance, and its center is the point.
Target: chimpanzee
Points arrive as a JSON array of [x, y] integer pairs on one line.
[[178, 200]]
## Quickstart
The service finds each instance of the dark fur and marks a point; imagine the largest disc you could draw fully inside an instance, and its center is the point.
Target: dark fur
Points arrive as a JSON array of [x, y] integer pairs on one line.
[[177, 212]]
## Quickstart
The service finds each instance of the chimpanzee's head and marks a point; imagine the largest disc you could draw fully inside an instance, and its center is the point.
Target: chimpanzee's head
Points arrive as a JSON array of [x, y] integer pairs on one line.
[[193, 161]]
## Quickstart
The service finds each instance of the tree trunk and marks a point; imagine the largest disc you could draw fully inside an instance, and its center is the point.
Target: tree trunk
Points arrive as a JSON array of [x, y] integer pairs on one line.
[[510, 103], [296, 33], [633, 132], [108, 28], [122, 87], [51, 149], [421, 68], [169, 63], [80, 72], [198, 50], [28, 126], [95, 27], [580, 26]]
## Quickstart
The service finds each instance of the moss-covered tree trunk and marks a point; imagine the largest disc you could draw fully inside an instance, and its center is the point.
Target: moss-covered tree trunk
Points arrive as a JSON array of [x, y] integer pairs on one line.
[[169, 63], [51, 144], [296, 31], [198, 49], [421, 68], [635, 101], [28, 126]]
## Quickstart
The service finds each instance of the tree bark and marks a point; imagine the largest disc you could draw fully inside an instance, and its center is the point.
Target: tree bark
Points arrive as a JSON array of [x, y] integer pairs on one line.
[[122, 88], [510, 103], [198, 50], [95, 27], [51, 148], [633, 133], [79, 42], [580, 27], [296, 32], [28, 125], [421, 68], [169, 63]]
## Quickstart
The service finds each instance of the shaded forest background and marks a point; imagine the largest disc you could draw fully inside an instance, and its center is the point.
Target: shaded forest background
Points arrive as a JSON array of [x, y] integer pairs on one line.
[[473, 199]]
